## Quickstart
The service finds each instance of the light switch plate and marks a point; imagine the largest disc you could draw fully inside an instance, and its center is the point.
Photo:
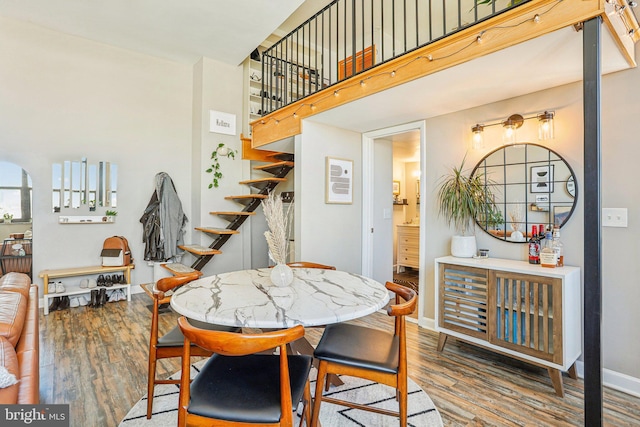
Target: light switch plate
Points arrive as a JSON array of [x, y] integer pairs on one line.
[[386, 213], [614, 217]]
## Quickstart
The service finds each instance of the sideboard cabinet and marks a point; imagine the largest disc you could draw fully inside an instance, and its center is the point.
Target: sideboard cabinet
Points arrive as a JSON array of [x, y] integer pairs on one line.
[[514, 308]]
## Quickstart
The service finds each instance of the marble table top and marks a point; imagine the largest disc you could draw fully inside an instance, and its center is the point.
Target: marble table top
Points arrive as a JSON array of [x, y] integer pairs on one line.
[[248, 298]]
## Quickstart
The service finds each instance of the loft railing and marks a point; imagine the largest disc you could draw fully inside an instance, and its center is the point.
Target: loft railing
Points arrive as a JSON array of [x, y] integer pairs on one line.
[[321, 51]]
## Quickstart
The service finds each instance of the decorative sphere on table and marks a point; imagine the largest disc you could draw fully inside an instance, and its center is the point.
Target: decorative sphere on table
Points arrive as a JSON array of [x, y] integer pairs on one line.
[[281, 275]]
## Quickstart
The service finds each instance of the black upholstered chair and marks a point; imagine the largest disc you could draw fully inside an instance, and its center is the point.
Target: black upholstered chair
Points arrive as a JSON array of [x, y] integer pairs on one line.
[[238, 387], [372, 354], [169, 344]]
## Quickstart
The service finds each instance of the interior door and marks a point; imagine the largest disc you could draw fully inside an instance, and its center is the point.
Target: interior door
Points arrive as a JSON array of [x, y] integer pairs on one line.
[[382, 265]]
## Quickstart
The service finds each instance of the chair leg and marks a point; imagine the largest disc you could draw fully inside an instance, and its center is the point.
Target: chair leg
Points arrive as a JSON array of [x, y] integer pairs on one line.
[[151, 382], [306, 398], [322, 373], [402, 394]]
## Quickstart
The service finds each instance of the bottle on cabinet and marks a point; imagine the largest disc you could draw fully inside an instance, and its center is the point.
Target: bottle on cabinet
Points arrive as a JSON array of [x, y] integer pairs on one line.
[[534, 246], [558, 247], [547, 254]]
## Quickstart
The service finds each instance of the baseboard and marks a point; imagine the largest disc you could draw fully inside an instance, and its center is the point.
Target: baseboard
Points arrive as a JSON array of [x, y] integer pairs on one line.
[[615, 380], [427, 323]]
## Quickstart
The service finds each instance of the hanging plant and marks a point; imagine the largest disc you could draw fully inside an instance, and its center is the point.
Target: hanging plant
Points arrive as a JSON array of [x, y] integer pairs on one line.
[[220, 150]]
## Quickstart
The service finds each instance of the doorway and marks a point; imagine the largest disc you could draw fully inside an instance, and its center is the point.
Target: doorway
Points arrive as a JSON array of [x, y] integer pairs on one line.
[[392, 166]]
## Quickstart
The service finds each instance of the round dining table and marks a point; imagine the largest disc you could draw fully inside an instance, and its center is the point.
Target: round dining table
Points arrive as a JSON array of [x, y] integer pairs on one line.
[[248, 298]]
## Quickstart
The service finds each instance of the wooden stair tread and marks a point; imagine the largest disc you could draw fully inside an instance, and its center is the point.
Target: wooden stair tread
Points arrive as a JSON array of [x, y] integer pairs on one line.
[[253, 181], [199, 250], [233, 213], [213, 230], [179, 269], [274, 165], [247, 196]]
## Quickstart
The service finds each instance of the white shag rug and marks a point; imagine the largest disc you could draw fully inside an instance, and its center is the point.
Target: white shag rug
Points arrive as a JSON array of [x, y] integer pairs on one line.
[[422, 411]]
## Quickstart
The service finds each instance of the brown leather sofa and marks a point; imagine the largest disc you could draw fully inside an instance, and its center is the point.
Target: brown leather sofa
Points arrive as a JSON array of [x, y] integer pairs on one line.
[[19, 338]]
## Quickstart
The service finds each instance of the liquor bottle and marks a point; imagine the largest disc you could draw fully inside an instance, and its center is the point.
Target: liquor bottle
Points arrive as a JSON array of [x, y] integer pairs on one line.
[[534, 246], [547, 255], [541, 235], [558, 247]]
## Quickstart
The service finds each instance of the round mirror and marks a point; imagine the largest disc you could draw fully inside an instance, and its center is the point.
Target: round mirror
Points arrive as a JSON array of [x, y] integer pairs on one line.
[[531, 185]]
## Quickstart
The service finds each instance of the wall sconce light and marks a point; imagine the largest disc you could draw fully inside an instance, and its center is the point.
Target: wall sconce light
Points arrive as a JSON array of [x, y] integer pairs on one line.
[[515, 121], [478, 137]]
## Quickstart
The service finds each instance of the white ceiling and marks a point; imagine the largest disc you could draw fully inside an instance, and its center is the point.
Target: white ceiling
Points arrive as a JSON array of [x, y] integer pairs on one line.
[[224, 30]]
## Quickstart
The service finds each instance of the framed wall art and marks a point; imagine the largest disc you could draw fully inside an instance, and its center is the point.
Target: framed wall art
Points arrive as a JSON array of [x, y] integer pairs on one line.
[[339, 181], [542, 179]]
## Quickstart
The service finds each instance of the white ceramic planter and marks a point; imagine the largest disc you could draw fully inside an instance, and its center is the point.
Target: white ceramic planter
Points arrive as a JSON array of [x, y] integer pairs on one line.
[[463, 246]]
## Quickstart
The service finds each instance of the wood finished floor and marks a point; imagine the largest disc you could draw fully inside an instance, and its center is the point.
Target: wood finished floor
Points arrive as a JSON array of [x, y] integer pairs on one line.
[[96, 361]]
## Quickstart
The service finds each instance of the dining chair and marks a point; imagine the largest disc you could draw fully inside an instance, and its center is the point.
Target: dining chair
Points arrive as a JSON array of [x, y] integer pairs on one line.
[[305, 264], [236, 386], [372, 354], [169, 344]]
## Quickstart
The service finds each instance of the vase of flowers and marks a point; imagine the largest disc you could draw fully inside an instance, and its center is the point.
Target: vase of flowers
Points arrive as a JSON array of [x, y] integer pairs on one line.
[[278, 238]]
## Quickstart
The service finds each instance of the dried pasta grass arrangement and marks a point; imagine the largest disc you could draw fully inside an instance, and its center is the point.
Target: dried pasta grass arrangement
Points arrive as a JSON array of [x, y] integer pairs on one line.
[[278, 221]]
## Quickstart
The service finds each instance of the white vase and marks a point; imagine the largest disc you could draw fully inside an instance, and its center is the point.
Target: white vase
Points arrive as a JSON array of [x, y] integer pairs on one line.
[[463, 246], [281, 275]]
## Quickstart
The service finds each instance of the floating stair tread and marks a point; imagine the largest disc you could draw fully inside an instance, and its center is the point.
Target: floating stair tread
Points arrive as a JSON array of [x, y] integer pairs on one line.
[[233, 213], [179, 269], [274, 165], [199, 250], [212, 230], [247, 196], [261, 180]]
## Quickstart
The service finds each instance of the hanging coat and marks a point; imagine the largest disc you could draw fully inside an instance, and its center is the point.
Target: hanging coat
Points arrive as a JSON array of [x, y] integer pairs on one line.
[[163, 221]]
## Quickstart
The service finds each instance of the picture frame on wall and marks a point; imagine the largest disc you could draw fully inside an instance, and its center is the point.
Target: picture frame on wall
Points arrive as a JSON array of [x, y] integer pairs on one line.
[[339, 181], [396, 188], [542, 179]]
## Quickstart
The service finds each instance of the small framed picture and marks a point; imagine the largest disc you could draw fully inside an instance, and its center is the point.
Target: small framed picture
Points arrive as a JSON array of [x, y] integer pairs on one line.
[[396, 188], [542, 179], [339, 181]]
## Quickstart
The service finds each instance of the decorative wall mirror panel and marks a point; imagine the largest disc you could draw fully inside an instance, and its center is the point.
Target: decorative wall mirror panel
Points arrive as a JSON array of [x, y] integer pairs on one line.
[[531, 185], [78, 183]]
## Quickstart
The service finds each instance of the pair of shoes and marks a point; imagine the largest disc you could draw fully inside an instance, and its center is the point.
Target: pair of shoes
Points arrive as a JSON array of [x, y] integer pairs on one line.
[[55, 303], [117, 295], [64, 303], [51, 288], [59, 288], [74, 302], [82, 300], [92, 283], [84, 283], [101, 281], [98, 297]]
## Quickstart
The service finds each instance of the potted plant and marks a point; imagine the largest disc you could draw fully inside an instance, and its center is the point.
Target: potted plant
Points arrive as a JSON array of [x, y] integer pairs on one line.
[[111, 215], [220, 150], [462, 199], [7, 217]]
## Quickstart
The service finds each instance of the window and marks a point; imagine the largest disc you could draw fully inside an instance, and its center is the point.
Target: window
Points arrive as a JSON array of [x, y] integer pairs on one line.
[[15, 192]]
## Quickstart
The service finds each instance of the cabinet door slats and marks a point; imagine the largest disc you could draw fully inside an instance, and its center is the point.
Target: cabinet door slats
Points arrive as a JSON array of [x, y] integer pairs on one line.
[[463, 298], [528, 313]]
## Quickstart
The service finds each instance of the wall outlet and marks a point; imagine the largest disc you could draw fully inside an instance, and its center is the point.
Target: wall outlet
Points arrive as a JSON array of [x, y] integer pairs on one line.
[[614, 217]]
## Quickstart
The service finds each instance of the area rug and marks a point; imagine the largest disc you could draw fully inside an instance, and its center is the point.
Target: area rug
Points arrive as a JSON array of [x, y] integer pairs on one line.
[[422, 411], [408, 284]]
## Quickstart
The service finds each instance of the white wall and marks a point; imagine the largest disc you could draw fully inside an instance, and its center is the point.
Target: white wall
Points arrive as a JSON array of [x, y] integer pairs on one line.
[[327, 233], [218, 86], [65, 97]]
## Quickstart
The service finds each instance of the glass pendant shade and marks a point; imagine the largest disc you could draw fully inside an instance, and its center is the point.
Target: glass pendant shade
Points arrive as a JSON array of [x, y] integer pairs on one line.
[[545, 126], [478, 137]]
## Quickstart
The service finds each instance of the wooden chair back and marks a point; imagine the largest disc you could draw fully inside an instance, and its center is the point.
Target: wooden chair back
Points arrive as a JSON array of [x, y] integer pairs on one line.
[[305, 264]]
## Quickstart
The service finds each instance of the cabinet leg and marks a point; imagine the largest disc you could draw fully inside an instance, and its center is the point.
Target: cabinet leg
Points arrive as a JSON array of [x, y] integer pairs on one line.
[[572, 371], [556, 380], [442, 340]]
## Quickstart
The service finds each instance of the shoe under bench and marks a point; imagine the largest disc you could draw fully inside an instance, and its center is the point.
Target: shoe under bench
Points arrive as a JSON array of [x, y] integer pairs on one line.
[[83, 271]]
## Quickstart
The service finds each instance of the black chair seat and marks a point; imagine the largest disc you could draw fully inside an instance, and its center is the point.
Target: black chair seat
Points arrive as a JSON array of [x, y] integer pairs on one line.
[[174, 337], [246, 388], [358, 346]]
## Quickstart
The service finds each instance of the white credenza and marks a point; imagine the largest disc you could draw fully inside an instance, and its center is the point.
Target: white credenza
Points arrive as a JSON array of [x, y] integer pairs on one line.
[[408, 246], [514, 308]]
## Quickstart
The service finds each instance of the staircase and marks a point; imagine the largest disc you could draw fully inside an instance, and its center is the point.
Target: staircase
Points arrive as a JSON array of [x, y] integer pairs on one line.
[[278, 165]]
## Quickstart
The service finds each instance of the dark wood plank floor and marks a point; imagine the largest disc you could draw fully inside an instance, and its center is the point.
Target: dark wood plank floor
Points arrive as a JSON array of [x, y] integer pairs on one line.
[[96, 361]]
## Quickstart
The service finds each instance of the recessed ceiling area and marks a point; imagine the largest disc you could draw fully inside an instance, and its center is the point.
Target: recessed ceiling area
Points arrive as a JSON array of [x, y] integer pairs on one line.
[[548, 61]]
